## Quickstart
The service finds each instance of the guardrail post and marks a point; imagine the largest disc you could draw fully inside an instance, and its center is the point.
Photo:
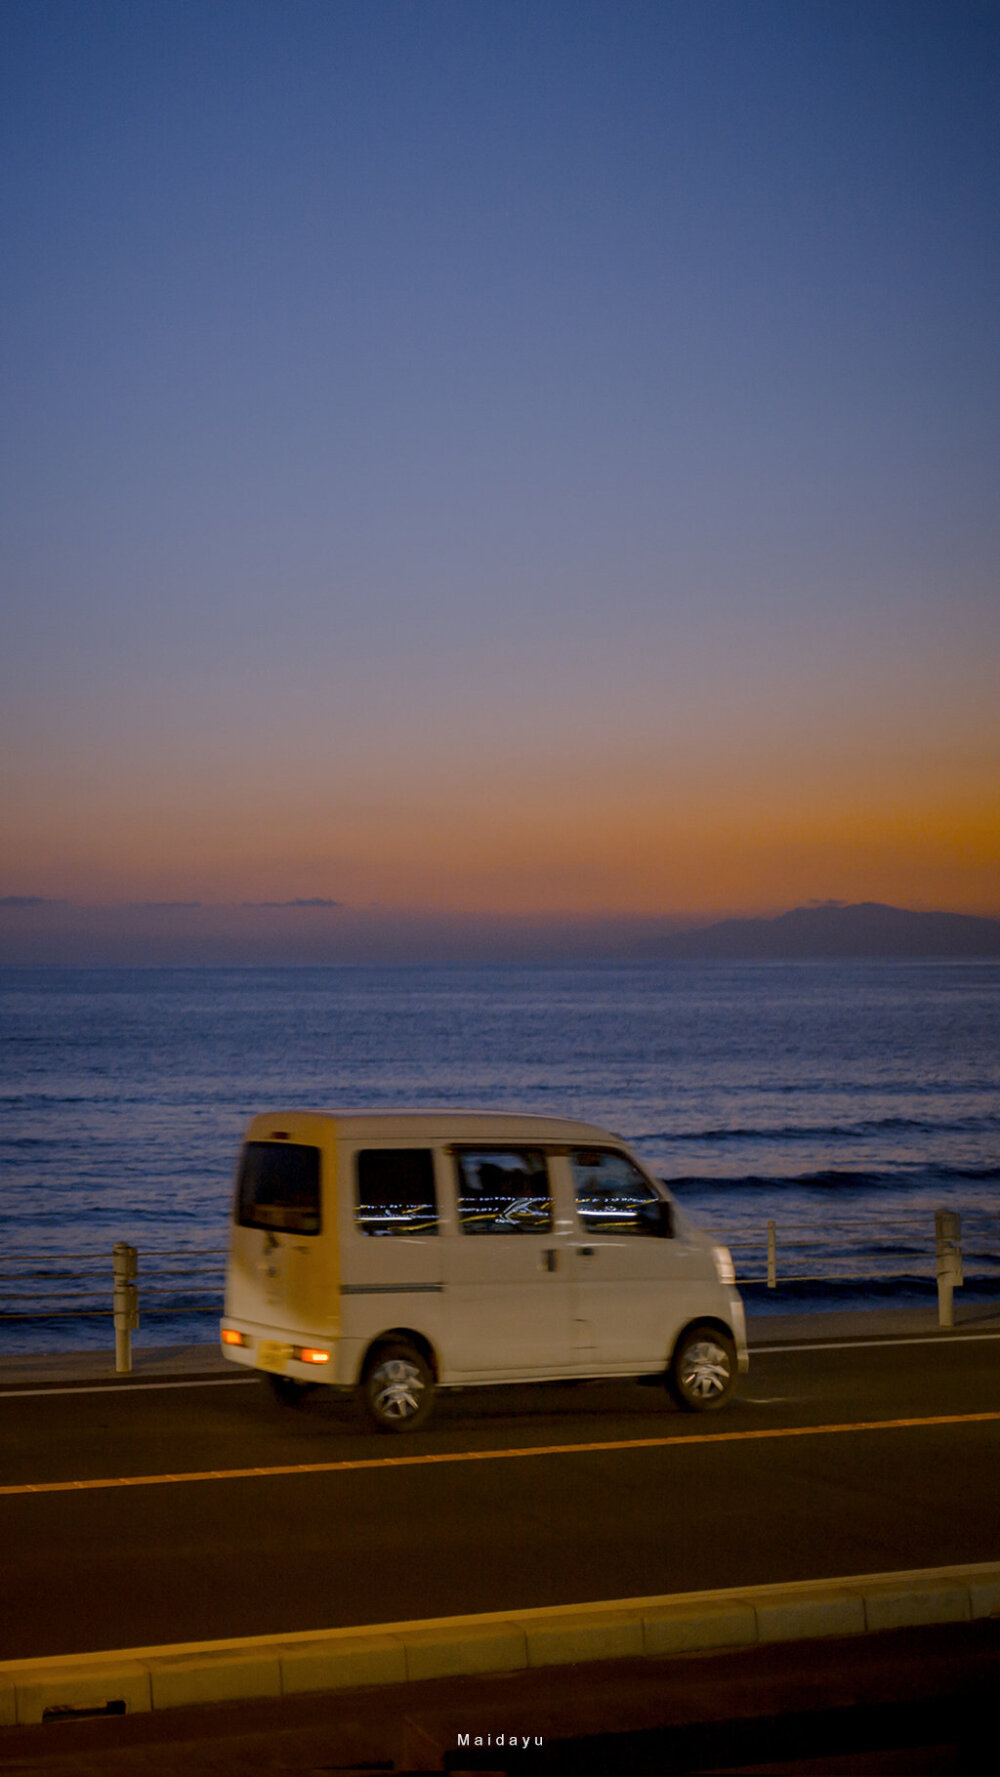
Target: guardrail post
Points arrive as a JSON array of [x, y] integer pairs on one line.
[[948, 1236], [125, 1261], [772, 1258]]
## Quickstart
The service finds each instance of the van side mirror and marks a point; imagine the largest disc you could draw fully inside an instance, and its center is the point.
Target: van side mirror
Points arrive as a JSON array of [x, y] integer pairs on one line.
[[657, 1217]]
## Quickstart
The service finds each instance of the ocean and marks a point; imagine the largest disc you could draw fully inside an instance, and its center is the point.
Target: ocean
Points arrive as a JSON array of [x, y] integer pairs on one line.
[[844, 1101]]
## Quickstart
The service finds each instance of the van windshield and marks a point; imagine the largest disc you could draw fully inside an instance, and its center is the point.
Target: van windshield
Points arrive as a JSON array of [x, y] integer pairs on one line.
[[278, 1187]]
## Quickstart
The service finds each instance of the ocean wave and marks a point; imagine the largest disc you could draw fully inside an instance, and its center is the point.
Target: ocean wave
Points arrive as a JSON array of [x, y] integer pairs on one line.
[[866, 1128], [903, 1181]]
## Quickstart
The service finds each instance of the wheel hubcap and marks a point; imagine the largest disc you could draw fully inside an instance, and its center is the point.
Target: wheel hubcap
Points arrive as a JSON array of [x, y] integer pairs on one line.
[[397, 1389], [705, 1370]]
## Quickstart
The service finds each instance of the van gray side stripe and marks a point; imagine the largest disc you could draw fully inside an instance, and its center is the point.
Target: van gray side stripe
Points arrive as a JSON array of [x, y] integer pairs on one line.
[[389, 1289]]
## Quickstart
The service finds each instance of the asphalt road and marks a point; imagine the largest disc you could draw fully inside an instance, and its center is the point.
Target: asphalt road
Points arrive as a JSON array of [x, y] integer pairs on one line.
[[828, 1462]]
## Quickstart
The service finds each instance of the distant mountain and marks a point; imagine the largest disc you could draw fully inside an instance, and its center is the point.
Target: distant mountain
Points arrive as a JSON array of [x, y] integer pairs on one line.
[[830, 929]]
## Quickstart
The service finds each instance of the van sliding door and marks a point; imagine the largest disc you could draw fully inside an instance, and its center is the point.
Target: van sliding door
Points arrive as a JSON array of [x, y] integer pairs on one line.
[[507, 1285]]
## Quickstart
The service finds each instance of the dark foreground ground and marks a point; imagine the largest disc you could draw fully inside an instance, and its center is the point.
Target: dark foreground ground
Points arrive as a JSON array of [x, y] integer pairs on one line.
[[844, 1453], [908, 1701]]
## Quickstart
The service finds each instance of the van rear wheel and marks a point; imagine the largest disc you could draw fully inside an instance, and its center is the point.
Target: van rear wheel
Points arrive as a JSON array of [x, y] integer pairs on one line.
[[703, 1372], [397, 1390]]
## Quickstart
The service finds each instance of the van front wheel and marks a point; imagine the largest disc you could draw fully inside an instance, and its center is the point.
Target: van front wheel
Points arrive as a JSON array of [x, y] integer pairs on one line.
[[397, 1390], [703, 1373]]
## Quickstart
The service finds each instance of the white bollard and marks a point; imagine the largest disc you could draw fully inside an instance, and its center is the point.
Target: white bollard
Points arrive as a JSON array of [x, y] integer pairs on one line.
[[125, 1261], [948, 1238]]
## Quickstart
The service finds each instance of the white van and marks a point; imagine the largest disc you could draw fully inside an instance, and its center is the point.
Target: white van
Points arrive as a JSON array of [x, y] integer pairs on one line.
[[398, 1252]]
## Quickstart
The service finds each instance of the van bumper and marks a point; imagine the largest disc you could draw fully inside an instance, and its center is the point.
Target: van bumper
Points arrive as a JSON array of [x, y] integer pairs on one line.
[[276, 1352]]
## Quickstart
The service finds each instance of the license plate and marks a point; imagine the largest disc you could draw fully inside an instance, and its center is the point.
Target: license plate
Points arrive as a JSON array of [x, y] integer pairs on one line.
[[273, 1356]]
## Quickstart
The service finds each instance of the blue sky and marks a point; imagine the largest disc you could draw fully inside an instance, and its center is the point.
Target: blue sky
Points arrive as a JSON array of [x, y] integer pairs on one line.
[[580, 419]]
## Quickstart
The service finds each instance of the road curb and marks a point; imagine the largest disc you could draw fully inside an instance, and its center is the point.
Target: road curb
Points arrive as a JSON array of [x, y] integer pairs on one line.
[[133, 1680]]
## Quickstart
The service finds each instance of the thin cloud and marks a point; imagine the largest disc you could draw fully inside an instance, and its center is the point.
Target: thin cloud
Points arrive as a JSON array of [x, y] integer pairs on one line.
[[312, 901], [31, 901]]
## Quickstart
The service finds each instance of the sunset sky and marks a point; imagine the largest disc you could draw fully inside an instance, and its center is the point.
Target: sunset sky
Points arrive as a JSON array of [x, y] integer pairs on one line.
[[501, 457]]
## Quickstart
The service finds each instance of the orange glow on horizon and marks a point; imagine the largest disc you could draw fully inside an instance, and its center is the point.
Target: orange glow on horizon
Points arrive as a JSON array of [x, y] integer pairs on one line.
[[583, 856], [599, 802]]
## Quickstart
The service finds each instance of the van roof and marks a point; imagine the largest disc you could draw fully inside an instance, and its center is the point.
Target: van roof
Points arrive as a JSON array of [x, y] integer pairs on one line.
[[446, 1123]]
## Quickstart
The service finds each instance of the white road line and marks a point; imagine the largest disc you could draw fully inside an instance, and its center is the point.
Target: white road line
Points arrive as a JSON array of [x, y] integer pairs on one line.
[[774, 1400], [21, 1394], [757, 1351]]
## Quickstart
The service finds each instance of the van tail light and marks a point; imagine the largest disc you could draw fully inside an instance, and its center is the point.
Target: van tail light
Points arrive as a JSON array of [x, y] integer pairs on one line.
[[308, 1354], [231, 1337]]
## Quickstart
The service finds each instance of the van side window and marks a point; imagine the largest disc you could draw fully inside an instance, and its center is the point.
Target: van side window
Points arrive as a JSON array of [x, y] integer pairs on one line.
[[503, 1191], [278, 1187], [395, 1191], [612, 1197]]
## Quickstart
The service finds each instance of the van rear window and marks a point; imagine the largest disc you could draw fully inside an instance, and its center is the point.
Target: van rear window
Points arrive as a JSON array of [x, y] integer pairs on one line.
[[278, 1187], [395, 1191]]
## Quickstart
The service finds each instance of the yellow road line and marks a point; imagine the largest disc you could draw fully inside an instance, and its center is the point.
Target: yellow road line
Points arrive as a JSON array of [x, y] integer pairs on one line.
[[373, 1462]]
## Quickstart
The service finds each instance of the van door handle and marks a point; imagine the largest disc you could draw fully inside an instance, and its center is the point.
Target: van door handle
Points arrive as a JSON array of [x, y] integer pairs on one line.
[[551, 1257], [586, 1252]]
